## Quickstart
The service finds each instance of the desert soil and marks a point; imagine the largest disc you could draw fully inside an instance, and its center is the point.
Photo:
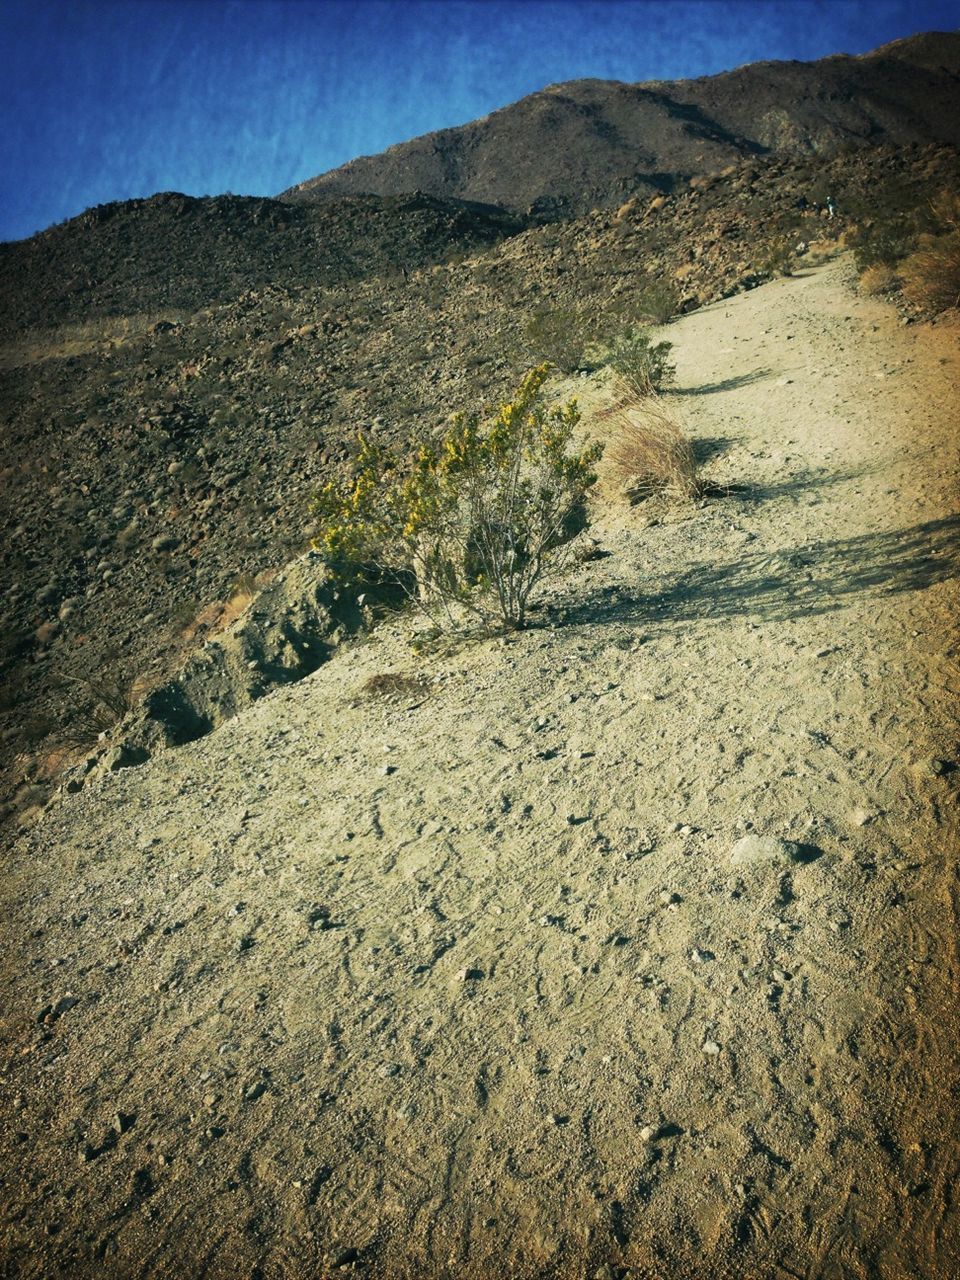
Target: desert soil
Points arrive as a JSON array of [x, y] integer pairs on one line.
[[464, 982]]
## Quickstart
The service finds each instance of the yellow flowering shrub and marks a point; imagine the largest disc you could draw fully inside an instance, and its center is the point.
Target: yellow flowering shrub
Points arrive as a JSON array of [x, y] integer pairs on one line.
[[474, 521]]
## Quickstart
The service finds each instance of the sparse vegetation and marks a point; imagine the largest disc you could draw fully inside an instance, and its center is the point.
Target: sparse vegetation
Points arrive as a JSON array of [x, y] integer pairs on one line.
[[99, 701], [656, 303], [646, 451], [642, 363], [781, 259], [393, 686], [878, 279], [475, 522], [562, 338], [931, 274]]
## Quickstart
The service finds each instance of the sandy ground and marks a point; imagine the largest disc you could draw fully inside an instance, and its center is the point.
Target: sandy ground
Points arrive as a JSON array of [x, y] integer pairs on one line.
[[465, 983]]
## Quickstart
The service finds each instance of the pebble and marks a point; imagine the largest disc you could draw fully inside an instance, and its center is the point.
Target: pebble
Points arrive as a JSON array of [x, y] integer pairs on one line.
[[711, 1048]]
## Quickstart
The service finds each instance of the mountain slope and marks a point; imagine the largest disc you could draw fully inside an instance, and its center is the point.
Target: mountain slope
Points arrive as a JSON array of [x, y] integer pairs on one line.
[[157, 460], [179, 252], [589, 142], [465, 982]]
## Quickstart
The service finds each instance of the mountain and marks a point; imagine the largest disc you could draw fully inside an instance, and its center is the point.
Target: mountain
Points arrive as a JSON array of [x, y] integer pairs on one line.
[[573, 146]]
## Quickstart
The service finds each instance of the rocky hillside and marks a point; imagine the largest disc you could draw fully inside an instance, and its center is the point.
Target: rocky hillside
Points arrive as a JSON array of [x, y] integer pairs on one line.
[[160, 459], [574, 146], [173, 252]]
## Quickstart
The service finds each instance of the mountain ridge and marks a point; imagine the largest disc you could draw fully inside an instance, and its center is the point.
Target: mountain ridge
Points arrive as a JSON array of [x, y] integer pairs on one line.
[[580, 143]]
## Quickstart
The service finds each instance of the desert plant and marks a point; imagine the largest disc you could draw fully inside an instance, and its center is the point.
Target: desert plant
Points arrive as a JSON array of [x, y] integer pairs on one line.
[[931, 274], [646, 451], [641, 362], [475, 521], [105, 697], [878, 279], [780, 259], [393, 686], [561, 337], [656, 302], [883, 241]]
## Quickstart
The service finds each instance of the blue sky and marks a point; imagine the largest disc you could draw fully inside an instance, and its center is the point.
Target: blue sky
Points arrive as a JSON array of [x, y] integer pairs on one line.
[[109, 99]]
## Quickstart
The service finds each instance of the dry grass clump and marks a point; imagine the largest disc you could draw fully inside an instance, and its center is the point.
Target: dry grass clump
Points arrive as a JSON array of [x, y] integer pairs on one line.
[[931, 275], [646, 451], [393, 686], [878, 279], [104, 698]]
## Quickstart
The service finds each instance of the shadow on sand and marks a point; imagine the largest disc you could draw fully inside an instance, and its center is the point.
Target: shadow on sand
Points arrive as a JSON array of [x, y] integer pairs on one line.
[[803, 583], [728, 384]]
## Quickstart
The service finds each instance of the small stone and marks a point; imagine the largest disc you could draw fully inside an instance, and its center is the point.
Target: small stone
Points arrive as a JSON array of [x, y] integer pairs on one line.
[[470, 975], [387, 769], [648, 1133], [754, 849], [668, 899], [254, 1091], [122, 1122], [934, 767], [711, 1048]]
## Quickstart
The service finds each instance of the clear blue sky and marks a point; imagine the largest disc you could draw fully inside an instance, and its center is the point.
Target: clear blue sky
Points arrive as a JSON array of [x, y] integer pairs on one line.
[[109, 99]]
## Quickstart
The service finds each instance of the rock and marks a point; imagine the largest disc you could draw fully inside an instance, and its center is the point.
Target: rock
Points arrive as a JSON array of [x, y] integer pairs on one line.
[[470, 975], [122, 1122], [934, 767], [710, 1048], [125, 756], [345, 1257], [165, 542], [754, 849]]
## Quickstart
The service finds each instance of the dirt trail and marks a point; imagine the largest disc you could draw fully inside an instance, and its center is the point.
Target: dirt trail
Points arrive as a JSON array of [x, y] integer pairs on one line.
[[466, 984]]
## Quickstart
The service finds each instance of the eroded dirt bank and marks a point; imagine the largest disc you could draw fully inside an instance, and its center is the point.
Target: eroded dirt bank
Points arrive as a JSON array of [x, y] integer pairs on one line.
[[482, 981]]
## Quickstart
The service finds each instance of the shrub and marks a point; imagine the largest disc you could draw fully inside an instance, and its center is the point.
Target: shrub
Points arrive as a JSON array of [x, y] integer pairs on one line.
[[393, 686], [103, 699], [878, 279], [883, 242], [656, 302], [561, 338], [931, 275], [646, 451], [474, 522], [640, 362], [780, 259]]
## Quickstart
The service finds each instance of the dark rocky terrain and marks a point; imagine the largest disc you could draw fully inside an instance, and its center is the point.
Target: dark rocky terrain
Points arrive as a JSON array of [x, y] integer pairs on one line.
[[590, 143], [178, 375]]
